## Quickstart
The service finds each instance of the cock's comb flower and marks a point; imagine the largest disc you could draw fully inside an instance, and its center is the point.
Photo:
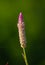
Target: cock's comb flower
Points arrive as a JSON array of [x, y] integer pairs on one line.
[[21, 29]]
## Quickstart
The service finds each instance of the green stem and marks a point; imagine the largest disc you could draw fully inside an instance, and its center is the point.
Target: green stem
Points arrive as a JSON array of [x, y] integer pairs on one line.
[[24, 55]]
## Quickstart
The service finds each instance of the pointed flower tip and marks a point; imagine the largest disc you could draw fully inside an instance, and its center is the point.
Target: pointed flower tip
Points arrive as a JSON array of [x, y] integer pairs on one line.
[[20, 14], [20, 19]]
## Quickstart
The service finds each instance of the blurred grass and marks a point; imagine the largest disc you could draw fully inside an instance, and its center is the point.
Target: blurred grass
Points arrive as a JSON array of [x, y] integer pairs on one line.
[[34, 18]]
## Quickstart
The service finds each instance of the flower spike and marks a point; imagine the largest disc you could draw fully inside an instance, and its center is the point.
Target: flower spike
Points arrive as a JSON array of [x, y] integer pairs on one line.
[[21, 29]]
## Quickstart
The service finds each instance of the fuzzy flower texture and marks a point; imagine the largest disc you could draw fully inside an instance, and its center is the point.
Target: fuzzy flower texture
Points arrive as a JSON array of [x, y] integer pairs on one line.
[[21, 30]]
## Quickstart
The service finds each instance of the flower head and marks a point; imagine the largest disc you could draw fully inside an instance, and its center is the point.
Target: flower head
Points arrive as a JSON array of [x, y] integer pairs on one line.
[[21, 29]]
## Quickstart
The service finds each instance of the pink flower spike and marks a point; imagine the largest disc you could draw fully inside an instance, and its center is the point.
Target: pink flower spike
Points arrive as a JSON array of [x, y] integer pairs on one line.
[[20, 18], [21, 30]]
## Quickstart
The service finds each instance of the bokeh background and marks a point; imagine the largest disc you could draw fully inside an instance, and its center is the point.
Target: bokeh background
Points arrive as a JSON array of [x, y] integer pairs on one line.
[[34, 18]]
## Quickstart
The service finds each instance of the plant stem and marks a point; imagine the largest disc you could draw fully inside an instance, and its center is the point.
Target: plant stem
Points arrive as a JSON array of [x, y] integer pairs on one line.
[[24, 55]]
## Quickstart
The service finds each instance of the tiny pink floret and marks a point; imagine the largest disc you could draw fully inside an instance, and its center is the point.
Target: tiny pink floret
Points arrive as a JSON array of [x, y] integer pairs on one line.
[[7, 63]]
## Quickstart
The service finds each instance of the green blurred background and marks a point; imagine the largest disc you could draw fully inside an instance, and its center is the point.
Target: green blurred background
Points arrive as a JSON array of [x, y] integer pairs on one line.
[[34, 18]]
